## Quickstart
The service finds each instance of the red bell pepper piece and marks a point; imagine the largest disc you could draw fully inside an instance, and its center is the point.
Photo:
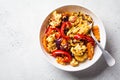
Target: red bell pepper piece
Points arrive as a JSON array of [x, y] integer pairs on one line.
[[85, 37], [64, 25], [49, 31], [80, 36], [64, 54]]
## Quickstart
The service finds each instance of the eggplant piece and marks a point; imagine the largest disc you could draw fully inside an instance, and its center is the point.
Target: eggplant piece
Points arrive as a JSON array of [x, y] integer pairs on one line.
[[58, 43]]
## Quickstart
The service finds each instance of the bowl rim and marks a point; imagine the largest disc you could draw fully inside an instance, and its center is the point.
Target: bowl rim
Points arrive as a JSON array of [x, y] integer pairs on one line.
[[57, 65]]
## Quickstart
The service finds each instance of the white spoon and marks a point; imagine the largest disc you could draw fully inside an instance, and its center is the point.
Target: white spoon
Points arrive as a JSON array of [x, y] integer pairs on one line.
[[109, 59]]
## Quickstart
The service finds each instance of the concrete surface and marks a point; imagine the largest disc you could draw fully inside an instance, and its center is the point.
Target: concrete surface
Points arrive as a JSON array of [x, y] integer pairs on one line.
[[20, 54]]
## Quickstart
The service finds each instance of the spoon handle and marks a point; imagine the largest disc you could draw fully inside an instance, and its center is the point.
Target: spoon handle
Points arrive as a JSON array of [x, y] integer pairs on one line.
[[108, 58]]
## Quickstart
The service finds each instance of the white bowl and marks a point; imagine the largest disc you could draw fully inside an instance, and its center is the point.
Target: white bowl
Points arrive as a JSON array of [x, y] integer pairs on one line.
[[97, 54]]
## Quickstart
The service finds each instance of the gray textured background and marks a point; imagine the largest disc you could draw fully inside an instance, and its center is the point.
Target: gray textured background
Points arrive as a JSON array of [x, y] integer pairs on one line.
[[20, 54]]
